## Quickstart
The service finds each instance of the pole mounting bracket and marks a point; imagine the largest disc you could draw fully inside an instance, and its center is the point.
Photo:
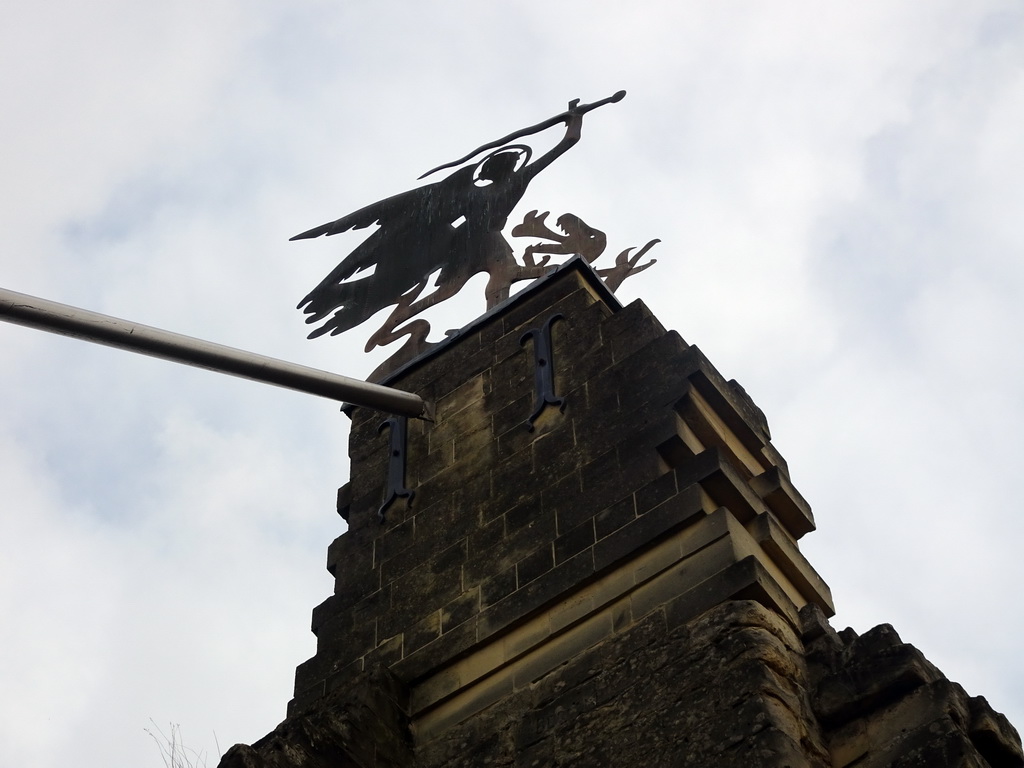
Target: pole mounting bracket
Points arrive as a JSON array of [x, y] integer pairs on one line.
[[396, 463], [543, 369]]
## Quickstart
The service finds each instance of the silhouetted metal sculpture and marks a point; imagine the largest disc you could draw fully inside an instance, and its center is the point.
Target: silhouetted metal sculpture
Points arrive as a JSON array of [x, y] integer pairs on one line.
[[453, 228]]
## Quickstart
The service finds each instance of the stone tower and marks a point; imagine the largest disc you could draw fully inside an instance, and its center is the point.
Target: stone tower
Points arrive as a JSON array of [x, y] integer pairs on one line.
[[590, 558]]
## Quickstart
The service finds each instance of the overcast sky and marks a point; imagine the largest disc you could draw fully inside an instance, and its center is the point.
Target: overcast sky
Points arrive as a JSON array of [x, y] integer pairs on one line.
[[838, 190]]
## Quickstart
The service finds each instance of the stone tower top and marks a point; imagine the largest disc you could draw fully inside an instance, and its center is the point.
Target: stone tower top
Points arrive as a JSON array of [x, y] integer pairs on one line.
[[586, 468], [590, 558]]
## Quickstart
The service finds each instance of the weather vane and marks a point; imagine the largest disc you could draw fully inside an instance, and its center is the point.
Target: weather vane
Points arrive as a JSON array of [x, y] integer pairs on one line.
[[453, 227]]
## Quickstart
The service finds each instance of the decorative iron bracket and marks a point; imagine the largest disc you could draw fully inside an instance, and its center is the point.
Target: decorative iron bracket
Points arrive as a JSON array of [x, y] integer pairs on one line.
[[543, 369], [396, 464]]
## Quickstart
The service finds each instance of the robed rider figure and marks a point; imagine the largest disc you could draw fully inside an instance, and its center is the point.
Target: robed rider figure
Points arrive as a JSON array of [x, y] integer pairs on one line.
[[452, 227]]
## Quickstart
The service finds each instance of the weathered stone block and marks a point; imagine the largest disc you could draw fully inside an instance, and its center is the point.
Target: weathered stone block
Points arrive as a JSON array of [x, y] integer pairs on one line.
[[574, 541], [784, 501], [614, 517], [534, 565]]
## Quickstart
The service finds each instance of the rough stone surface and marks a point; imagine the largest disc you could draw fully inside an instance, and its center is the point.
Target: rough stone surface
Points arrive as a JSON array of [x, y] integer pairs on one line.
[[881, 703], [736, 686], [364, 726]]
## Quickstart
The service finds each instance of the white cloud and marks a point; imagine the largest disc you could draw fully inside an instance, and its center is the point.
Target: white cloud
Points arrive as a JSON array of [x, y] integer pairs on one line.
[[837, 190]]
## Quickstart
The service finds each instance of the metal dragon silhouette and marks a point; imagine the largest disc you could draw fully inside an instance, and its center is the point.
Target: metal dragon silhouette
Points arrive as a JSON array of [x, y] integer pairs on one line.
[[453, 228]]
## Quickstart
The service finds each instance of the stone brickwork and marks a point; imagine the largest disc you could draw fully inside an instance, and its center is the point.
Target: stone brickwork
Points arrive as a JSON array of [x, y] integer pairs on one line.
[[619, 581], [656, 485]]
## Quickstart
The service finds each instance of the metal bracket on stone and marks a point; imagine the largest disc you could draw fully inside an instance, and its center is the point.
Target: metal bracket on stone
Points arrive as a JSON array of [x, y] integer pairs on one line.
[[543, 369], [396, 464]]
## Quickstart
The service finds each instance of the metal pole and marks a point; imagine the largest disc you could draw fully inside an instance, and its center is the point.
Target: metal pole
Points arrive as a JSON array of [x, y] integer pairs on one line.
[[44, 315]]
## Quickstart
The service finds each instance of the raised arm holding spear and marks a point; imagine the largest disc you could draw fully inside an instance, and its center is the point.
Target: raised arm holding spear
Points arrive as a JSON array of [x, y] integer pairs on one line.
[[575, 108]]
